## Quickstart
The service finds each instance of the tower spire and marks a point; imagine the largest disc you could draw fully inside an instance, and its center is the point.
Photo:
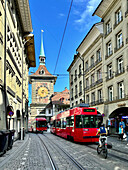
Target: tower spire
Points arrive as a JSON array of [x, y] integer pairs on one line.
[[42, 55]]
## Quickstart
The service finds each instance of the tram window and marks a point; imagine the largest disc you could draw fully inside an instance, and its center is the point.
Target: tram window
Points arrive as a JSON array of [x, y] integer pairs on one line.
[[78, 121], [58, 123], [64, 123], [67, 121], [89, 122], [72, 121], [54, 123]]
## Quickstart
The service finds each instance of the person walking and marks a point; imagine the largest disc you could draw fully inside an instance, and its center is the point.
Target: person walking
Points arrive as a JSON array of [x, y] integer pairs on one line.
[[123, 124], [121, 132], [126, 131]]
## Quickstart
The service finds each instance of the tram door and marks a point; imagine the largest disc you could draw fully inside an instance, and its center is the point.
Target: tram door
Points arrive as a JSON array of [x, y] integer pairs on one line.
[[78, 127]]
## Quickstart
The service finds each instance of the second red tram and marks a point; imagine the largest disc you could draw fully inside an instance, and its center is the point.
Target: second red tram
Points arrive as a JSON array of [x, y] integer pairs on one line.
[[79, 124], [41, 124]]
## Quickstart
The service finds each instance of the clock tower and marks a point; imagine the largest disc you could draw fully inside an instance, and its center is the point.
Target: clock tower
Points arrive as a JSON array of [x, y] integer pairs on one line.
[[42, 88]]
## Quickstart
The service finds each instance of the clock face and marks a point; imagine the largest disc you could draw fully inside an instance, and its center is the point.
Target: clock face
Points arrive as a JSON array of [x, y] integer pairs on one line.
[[43, 91]]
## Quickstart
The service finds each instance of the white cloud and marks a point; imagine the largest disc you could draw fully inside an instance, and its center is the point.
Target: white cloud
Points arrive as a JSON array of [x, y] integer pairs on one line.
[[61, 15], [86, 9]]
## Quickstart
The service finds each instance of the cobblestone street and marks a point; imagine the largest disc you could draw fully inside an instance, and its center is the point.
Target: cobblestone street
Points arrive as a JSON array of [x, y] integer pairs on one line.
[[29, 154]]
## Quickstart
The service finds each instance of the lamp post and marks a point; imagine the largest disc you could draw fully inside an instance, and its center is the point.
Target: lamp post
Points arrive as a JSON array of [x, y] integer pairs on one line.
[[22, 118]]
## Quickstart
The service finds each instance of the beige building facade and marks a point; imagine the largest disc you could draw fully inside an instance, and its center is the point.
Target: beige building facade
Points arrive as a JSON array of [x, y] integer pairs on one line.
[[106, 85], [17, 55]]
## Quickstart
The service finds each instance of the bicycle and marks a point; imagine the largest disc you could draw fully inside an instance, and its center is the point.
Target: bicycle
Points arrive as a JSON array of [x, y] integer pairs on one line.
[[103, 149]]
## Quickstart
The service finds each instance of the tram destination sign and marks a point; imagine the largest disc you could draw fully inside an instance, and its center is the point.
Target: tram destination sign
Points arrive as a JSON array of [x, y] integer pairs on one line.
[[89, 110]]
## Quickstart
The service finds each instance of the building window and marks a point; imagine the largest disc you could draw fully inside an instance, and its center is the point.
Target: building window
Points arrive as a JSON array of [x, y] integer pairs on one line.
[[118, 16], [87, 82], [71, 78], [80, 87], [110, 93], [86, 65], [93, 98], [87, 99], [92, 60], [109, 48], [79, 69], [76, 90], [99, 55], [92, 78], [119, 40], [72, 93], [121, 90], [99, 74], [99, 95], [49, 111], [108, 27], [109, 71], [75, 74], [120, 68]]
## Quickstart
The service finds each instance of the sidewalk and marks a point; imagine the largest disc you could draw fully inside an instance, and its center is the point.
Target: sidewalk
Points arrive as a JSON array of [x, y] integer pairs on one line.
[[18, 145]]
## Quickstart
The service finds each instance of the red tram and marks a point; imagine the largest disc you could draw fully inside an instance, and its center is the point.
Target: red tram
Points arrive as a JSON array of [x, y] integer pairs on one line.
[[79, 124], [41, 124]]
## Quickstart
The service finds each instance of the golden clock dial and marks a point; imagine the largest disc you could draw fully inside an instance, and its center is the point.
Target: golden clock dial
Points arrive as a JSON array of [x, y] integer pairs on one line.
[[43, 91]]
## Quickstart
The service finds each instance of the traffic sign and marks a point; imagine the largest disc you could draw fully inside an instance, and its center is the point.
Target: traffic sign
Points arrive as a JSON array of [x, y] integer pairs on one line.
[[11, 113]]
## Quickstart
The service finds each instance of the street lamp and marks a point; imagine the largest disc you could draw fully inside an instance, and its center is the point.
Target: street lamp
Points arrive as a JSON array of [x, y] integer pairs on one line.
[[22, 119]]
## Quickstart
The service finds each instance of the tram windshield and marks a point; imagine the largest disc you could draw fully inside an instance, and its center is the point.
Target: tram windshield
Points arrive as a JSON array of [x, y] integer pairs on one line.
[[41, 124], [86, 121]]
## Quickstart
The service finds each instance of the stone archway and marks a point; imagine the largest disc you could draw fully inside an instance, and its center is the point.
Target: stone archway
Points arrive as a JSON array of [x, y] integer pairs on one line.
[[116, 116]]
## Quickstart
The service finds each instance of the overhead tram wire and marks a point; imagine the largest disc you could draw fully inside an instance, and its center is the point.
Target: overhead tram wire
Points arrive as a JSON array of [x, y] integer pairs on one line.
[[63, 35]]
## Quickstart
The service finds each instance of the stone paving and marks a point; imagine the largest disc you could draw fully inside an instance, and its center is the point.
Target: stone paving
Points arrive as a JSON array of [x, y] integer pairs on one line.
[[28, 154]]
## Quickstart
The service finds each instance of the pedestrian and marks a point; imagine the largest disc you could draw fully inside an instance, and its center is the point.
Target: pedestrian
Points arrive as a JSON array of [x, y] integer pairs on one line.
[[126, 131], [121, 132], [123, 124]]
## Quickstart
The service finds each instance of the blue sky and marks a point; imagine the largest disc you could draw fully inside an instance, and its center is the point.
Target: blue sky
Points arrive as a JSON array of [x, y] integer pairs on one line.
[[51, 16]]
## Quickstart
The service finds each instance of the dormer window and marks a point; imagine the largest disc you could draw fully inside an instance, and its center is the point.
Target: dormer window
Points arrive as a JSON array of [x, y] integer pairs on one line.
[[41, 72]]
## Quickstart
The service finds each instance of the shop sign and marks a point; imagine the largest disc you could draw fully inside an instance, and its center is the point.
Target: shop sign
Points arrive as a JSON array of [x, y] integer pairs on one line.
[[124, 117]]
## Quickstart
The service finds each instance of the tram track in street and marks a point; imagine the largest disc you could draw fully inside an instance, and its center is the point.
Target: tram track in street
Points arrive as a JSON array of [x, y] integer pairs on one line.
[[52, 162], [74, 162]]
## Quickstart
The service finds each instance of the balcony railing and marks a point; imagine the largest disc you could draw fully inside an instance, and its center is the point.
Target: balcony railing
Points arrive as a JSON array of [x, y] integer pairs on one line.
[[117, 98], [109, 54], [98, 61], [100, 101], [109, 77], [75, 79], [92, 85], [119, 46], [118, 22], [93, 103], [87, 87], [99, 81], [121, 71], [80, 93], [79, 74], [76, 96]]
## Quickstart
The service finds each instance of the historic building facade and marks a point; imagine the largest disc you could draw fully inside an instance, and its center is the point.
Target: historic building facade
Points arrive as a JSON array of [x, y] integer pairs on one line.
[[42, 88], [17, 54], [105, 56]]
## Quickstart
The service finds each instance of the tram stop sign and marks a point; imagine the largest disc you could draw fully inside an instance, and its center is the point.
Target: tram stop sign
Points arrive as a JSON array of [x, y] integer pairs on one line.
[[10, 113]]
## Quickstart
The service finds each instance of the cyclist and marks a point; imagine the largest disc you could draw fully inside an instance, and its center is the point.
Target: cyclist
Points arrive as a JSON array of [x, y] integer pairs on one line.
[[103, 134]]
